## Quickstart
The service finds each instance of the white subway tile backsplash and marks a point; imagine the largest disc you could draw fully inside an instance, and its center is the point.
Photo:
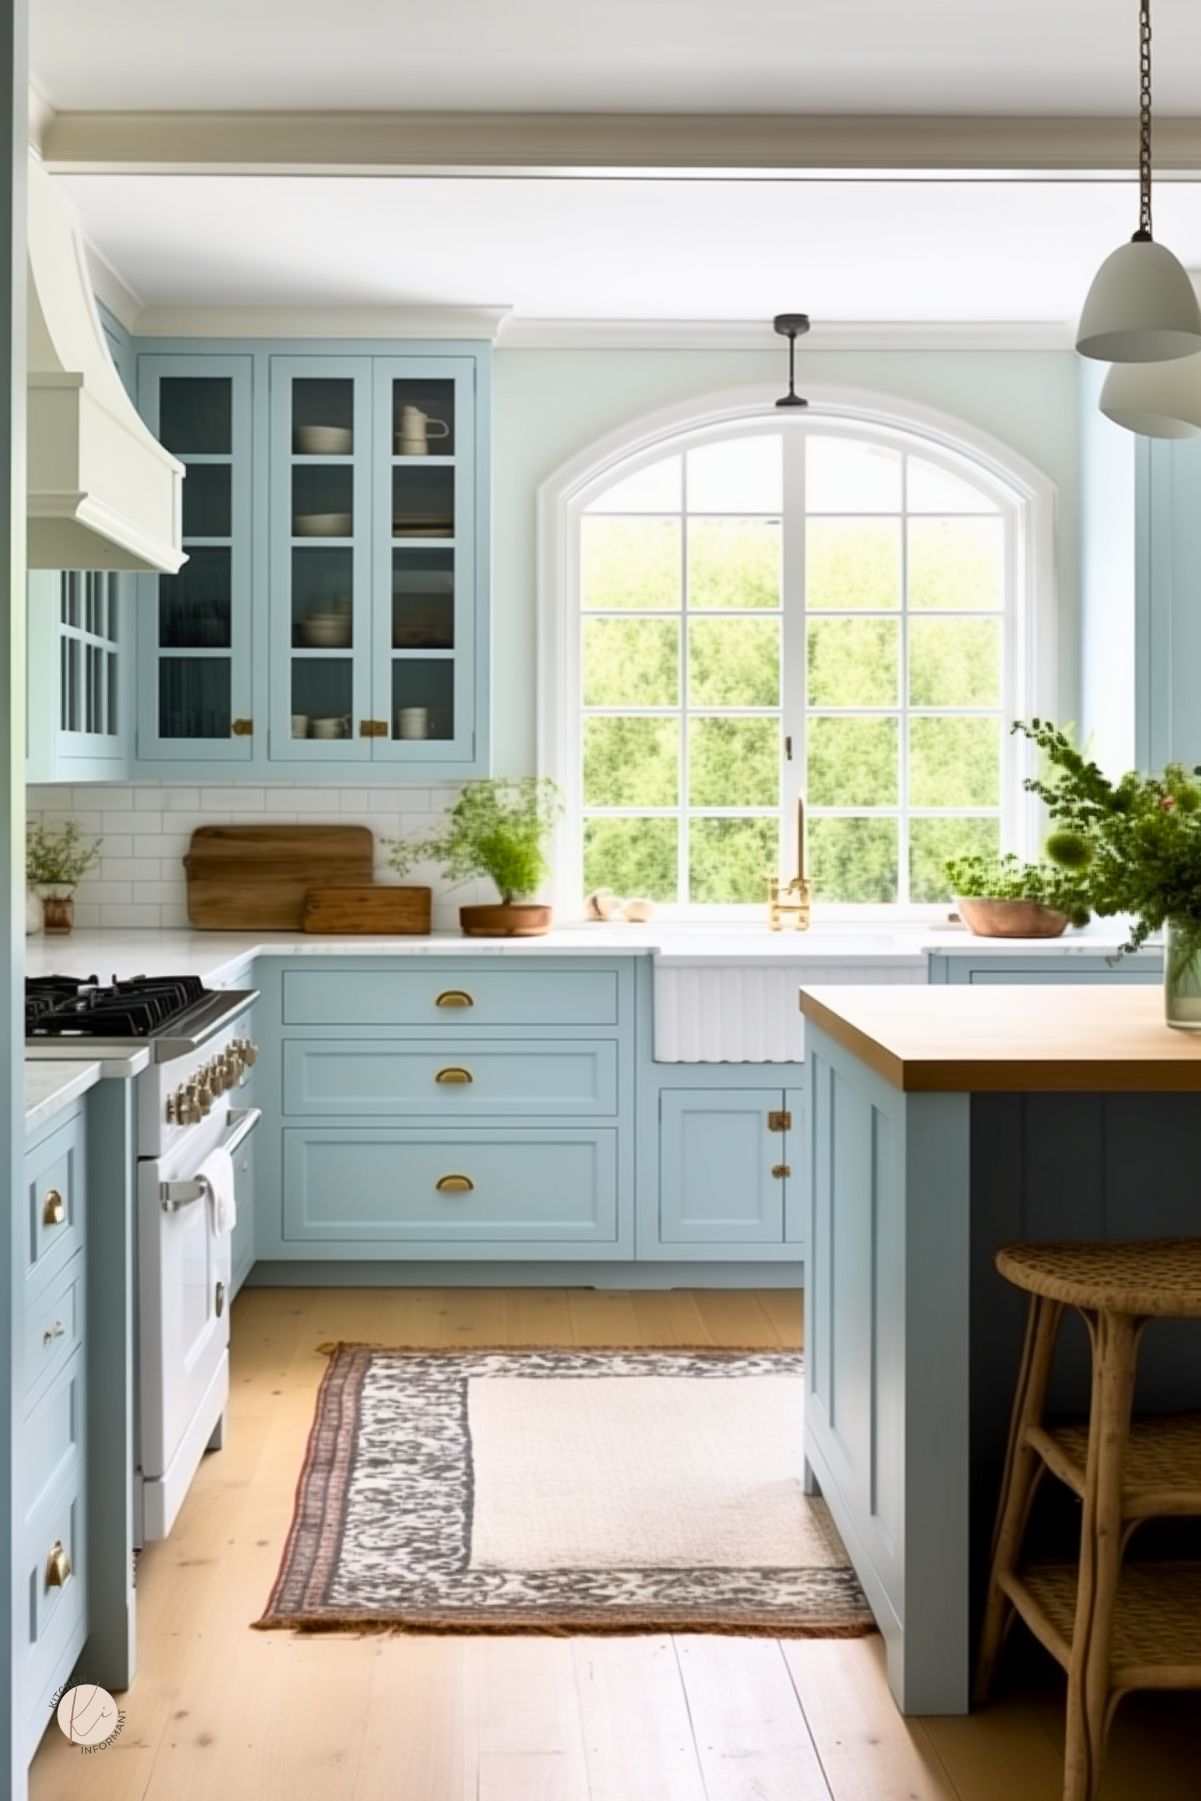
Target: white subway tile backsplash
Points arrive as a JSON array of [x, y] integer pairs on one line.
[[140, 879]]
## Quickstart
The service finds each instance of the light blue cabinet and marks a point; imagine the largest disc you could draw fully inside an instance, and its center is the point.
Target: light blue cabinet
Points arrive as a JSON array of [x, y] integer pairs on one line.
[[724, 1172], [1002, 967], [196, 636], [334, 609], [79, 666]]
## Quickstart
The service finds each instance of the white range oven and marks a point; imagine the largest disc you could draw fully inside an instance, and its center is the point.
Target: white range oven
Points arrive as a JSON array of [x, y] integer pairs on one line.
[[187, 1113]]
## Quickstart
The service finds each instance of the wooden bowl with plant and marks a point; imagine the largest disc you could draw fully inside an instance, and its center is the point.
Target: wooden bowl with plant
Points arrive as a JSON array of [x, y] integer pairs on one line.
[[56, 860], [500, 829], [1002, 897]]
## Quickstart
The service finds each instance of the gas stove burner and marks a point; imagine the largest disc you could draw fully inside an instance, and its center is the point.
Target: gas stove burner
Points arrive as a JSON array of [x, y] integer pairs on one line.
[[63, 1007]]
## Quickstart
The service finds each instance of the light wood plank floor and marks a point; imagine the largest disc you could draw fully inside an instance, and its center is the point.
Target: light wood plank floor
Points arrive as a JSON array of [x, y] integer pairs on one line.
[[220, 1713]]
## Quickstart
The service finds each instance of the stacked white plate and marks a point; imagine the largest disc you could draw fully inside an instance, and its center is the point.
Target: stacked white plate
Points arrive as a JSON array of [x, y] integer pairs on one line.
[[323, 440], [322, 525], [326, 631]]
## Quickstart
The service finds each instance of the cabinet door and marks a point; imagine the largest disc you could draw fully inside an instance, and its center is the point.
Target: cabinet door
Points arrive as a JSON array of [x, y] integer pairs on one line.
[[424, 703], [320, 641], [195, 636], [722, 1170]]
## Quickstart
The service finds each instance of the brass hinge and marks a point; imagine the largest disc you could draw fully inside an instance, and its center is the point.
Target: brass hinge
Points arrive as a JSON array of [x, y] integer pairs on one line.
[[242, 728], [779, 1121], [373, 728], [781, 1170]]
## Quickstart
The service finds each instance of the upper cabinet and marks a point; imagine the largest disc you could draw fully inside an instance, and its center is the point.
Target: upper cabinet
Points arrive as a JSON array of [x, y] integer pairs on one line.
[[195, 637], [79, 665], [333, 609]]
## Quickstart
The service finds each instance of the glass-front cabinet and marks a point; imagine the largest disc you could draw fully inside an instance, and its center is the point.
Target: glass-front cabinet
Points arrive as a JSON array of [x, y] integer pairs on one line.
[[78, 675], [194, 686], [373, 560]]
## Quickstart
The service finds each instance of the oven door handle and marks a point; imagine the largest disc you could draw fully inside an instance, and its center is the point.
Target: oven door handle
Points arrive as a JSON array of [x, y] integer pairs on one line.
[[174, 1195]]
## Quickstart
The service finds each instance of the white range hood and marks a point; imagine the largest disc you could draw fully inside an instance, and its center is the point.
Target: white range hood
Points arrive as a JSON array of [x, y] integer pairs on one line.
[[103, 493]]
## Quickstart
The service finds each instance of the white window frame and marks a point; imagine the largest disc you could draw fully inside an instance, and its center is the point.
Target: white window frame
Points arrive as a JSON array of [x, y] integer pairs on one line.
[[1025, 496]]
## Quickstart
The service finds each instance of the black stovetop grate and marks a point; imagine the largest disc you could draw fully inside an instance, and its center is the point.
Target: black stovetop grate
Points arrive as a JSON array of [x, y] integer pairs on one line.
[[67, 1007]]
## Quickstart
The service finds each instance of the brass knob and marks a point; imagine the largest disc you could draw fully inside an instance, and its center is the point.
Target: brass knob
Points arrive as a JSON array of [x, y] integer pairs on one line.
[[454, 1077], [242, 728], [214, 1075], [54, 1208], [454, 1185], [53, 1332], [201, 1097], [249, 1052], [58, 1565], [455, 997], [781, 1169]]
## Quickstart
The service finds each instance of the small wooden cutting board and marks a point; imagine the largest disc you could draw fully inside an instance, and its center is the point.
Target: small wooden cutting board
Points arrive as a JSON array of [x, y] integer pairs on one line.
[[255, 878], [390, 912]]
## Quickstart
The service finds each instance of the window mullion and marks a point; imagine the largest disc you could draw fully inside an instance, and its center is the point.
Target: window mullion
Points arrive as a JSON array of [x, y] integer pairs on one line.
[[903, 698]]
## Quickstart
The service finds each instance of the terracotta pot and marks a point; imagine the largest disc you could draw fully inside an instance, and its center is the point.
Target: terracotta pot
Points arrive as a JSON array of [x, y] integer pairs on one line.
[[58, 912], [1009, 918], [501, 921]]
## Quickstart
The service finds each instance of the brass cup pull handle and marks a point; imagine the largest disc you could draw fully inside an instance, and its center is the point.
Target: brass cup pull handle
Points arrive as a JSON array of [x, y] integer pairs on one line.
[[454, 1077], [454, 1185], [780, 1170], [58, 1565], [455, 997], [53, 1332], [54, 1208]]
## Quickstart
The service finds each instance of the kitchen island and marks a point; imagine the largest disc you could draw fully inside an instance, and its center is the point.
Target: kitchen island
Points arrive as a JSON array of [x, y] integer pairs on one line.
[[945, 1122]]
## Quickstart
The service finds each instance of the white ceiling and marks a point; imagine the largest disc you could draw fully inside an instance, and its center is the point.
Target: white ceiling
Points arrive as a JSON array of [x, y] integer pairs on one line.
[[818, 56], [637, 249]]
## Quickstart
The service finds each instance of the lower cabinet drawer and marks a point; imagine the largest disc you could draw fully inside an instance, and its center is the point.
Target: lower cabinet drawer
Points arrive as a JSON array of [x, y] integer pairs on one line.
[[569, 1077], [53, 1327], [50, 1600], [53, 1202], [471, 1187], [455, 995], [51, 1440]]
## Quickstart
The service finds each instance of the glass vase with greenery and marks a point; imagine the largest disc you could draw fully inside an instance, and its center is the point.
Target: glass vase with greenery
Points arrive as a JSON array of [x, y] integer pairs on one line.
[[1135, 846], [498, 828]]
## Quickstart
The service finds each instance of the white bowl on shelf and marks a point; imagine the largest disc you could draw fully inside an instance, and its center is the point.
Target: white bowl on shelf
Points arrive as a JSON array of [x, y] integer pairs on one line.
[[323, 440], [322, 525], [326, 631]]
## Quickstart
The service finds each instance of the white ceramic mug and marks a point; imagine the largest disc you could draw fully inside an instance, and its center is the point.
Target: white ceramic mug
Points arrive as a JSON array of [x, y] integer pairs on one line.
[[300, 725], [413, 722], [416, 429]]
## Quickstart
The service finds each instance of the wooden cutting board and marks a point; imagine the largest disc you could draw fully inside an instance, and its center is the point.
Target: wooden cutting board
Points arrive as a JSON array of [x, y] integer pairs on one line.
[[392, 912], [255, 877]]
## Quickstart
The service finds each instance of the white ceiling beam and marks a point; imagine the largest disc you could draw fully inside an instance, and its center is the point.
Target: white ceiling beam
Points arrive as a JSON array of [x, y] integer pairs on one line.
[[549, 143]]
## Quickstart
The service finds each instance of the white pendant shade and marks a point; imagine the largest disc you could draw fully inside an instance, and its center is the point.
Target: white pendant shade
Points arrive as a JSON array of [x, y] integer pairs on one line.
[[1157, 400], [1141, 308]]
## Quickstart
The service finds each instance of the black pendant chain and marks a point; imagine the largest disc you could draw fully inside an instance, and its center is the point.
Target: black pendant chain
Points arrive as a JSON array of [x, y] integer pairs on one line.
[[1143, 234]]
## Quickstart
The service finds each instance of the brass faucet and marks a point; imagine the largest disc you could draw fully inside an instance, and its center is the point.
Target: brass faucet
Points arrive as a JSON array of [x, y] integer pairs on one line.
[[791, 898]]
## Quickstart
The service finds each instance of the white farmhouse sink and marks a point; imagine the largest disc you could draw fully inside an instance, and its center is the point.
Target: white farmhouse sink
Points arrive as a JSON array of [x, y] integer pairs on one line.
[[725, 997]]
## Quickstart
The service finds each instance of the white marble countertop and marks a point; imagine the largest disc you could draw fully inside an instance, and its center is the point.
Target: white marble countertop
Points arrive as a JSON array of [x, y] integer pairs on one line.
[[53, 1084], [219, 958]]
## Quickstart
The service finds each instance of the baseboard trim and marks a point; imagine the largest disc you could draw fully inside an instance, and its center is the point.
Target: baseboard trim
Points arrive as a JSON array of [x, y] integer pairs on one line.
[[525, 1275]]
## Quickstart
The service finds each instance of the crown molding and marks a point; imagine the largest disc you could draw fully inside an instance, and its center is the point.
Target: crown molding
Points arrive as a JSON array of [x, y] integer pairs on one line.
[[754, 334], [459, 322], [614, 143]]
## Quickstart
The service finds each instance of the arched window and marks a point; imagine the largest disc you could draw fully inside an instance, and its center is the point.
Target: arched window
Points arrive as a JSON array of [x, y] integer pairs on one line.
[[757, 609]]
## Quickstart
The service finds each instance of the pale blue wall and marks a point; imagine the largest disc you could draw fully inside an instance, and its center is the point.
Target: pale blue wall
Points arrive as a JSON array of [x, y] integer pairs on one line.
[[1107, 573], [549, 404]]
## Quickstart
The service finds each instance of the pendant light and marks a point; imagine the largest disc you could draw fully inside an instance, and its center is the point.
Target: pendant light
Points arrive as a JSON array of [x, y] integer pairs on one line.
[[1141, 307], [791, 326], [1157, 400]]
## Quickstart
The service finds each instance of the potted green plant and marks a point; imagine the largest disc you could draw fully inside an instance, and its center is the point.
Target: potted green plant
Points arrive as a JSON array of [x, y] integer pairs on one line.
[[1135, 847], [56, 860], [1002, 897], [497, 828]]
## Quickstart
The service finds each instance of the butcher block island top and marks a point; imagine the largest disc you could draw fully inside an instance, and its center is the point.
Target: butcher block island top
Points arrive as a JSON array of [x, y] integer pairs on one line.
[[1106, 1038]]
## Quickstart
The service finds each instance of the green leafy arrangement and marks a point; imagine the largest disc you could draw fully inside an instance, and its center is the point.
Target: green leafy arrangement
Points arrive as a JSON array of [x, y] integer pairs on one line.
[[496, 828], [1133, 845], [58, 858], [1008, 878]]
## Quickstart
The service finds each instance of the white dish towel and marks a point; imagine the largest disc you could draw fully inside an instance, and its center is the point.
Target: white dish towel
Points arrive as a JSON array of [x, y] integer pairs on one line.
[[218, 1171]]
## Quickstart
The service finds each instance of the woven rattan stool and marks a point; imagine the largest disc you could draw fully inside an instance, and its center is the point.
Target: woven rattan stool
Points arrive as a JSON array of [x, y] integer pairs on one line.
[[1113, 1628]]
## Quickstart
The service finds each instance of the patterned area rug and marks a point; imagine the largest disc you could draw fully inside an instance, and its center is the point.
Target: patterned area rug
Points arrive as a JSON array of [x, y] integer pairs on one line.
[[562, 1492]]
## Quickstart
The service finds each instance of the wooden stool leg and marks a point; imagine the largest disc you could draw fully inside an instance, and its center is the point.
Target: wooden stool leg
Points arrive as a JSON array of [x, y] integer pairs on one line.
[[1115, 1351], [1023, 1467]]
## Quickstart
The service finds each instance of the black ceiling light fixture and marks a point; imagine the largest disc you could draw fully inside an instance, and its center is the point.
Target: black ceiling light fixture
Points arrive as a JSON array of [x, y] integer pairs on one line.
[[791, 326]]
